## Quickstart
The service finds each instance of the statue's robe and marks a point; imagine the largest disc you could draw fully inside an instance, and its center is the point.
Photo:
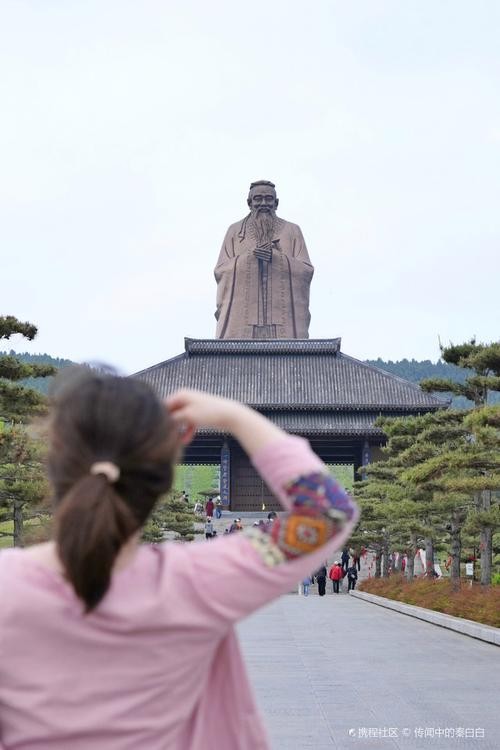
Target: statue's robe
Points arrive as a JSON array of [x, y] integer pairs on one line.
[[289, 278]]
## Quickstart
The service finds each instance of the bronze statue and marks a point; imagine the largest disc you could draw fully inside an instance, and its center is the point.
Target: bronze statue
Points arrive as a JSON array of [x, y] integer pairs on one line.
[[263, 274]]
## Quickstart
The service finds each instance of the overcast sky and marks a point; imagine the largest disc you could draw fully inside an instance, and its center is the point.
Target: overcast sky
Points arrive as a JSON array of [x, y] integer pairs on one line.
[[130, 131]]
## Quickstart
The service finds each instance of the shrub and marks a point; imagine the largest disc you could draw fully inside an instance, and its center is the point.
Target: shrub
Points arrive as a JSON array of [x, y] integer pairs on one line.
[[476, 602]]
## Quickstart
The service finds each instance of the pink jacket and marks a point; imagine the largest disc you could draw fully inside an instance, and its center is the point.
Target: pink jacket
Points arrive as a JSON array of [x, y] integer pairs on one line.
[[157, 661]]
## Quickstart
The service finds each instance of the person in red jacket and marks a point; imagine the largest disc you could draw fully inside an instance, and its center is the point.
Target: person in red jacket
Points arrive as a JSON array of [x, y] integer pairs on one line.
[[336, 576], [209, 508]]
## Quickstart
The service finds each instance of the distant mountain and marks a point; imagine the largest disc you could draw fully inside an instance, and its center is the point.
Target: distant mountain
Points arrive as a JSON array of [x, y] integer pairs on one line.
[[409, 369], [414, 371]]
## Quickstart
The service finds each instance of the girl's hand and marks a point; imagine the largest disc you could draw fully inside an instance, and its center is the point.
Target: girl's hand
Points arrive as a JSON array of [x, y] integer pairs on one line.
[[193, 410]]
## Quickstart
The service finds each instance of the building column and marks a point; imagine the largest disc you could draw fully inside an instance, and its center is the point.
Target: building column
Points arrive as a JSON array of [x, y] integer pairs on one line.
[[225, 474], [366, 457]]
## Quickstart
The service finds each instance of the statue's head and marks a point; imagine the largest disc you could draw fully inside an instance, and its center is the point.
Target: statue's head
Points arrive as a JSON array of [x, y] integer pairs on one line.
[[262, 198]]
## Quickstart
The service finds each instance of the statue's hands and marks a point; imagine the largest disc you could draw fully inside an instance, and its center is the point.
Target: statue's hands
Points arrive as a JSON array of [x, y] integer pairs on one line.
[[264, 252]]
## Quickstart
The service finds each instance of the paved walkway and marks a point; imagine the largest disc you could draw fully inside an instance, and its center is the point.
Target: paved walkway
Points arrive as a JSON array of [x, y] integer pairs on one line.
[[327, 671]]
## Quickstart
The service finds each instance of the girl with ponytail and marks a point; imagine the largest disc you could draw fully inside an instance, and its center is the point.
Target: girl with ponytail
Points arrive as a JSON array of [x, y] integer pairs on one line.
[[106, 643]]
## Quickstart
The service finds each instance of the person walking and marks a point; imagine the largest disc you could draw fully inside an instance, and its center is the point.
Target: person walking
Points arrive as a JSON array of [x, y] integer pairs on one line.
[[336, 576], [345, 560], [218, 508], [356, 560], [320, 577], [236, 525], [134, 645], [209, 528], [209, 508], [306, 584], [352, 577]]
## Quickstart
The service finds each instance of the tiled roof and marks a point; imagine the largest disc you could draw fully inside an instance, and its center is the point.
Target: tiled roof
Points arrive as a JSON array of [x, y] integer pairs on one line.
[[288, 375]]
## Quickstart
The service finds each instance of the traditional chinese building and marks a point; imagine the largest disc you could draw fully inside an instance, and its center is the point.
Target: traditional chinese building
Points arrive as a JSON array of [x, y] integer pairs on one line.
[[306, 386]]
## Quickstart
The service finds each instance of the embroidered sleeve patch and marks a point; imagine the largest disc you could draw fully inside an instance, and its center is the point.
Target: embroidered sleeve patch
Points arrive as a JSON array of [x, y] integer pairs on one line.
[[320, 509], [321, 493], [262, 542]]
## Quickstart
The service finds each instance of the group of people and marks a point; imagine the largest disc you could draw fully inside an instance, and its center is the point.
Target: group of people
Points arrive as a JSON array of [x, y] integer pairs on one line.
[[338, 571], [236, 525], [211, 532], [212, 507]]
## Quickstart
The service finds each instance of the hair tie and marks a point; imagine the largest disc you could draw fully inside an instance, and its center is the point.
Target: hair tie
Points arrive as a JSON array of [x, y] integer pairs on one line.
[[110, 470]]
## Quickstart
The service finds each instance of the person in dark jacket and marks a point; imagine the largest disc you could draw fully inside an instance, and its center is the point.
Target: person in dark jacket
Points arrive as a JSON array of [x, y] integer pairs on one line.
[[320, 576], [352, 577], [345, 559]]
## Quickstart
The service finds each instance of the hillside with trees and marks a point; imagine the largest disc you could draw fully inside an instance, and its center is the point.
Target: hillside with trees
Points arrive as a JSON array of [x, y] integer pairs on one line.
[[415, 371]]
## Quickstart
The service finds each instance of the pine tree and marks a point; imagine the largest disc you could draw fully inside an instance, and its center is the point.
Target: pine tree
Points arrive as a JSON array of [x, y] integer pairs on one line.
[[484, 362], [410, 509], [475, 467], [22, 482], [171, 514]]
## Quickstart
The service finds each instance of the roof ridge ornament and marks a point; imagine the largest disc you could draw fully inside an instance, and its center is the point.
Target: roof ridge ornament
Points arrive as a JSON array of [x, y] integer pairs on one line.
[[262, 346]]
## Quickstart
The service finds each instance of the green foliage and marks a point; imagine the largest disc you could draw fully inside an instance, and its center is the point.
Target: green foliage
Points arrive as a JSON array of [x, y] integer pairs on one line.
[[344, 474], [38, 380], [482, 363], [9, 325], [416, 371], [441, 472], [18, 403], [171, 517], [196, 479], [22, 480]]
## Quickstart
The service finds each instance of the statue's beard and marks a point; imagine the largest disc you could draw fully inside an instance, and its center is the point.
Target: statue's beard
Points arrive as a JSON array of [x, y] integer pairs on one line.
[[264, 222]]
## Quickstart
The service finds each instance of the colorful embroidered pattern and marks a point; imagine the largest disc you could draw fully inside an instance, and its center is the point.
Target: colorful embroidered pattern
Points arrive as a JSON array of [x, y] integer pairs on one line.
[[265, 546], [298, 535], [320, 509], [320, 492]]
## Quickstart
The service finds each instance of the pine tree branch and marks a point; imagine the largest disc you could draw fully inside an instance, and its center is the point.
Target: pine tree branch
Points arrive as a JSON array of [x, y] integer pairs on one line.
[[9, 325]]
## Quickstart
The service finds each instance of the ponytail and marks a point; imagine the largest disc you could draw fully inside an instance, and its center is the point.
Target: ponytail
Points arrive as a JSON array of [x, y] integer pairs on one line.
[[112, 451], [92, 524]]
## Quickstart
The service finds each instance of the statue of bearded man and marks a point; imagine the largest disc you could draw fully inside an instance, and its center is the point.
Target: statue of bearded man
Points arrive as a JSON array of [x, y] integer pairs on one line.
[[263, 274]]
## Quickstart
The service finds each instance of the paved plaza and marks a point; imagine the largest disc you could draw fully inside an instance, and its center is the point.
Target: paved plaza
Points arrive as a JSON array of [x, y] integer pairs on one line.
[[330, 671]]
